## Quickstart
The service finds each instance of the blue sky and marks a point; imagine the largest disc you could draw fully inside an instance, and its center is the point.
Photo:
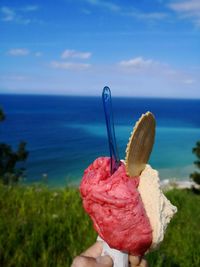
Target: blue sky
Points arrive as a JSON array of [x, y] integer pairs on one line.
[[76, 47]]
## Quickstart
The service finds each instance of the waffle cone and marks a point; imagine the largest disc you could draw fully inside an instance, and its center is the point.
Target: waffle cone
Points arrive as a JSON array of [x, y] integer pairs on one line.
[[140, 145]]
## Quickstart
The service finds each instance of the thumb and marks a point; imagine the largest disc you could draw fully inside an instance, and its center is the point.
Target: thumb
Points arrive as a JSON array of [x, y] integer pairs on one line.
[[104, 261]]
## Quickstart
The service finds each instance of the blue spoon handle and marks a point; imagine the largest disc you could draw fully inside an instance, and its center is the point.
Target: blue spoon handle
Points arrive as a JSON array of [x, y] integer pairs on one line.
[[107, 104]]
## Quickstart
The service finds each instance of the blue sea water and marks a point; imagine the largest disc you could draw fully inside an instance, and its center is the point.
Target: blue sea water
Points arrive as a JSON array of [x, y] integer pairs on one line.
[[64, 134]]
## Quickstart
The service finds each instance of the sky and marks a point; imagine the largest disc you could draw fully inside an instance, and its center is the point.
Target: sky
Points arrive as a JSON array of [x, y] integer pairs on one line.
[[142, 48]]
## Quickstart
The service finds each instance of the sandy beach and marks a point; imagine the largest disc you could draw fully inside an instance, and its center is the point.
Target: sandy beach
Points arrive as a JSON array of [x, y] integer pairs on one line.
[[169, 184]]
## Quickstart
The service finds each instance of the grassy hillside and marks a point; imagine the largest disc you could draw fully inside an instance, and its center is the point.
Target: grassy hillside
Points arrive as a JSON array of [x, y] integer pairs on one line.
[[46, 227]]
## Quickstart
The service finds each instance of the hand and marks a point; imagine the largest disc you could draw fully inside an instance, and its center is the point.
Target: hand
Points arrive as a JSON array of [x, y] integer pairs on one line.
[[92, 258], [136, 261]]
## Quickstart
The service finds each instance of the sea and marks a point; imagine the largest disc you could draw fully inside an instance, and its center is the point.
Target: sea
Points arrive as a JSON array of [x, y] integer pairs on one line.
[[64, 134]]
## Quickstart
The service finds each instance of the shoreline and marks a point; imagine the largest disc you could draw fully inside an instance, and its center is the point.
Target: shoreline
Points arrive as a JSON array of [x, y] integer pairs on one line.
[[169, 184], [165, 184]]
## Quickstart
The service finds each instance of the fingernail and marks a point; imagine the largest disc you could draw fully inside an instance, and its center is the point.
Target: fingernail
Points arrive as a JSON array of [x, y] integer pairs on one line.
[[105, 260], [135, 260]]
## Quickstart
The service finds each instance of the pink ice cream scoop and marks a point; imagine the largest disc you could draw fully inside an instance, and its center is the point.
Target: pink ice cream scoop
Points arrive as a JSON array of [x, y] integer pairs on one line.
[[128, 208], [115, 207]]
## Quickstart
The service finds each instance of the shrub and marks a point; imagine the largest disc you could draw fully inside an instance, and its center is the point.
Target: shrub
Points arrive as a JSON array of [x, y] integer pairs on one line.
[[195, 176], [9, 172]]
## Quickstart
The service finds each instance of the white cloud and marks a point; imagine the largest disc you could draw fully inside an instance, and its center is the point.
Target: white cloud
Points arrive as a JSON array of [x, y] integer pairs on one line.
[[76, 54], [38, 54], [137, 63], [130, 11], [170, 72], [18, 78], [8, 14], [146, 16], [189, 81], [23, 52], [157, 70], [86, 11], [19, 52], [188, 9], [104, 4], [29, 8], [69, 65], [18, 15], [13, 77], [179, 76], [189, 6]]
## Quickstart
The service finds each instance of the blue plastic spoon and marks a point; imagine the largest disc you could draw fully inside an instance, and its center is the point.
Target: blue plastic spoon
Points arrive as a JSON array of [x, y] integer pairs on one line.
[[120, 259], [107, 104]]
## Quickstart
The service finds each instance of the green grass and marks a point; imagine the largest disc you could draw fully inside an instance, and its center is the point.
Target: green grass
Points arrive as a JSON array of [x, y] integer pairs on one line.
[[41, 227], [181, 246], [46, 227]]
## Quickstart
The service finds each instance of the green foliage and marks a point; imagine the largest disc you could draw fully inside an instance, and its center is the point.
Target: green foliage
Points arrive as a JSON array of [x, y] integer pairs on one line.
[[180, 247], [46, 227], [196, 150], [40, 227], [9, 172], [196, 175], [8, 159], [2, 115]]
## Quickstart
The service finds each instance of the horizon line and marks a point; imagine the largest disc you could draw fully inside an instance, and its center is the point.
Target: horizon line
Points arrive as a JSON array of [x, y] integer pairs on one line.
[[96, 96]]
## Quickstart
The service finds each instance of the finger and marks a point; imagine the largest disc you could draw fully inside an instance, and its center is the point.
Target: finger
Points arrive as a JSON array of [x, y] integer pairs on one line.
[[143, 263], [94, 251], [134, 260], [104, 261], [81, 261]]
